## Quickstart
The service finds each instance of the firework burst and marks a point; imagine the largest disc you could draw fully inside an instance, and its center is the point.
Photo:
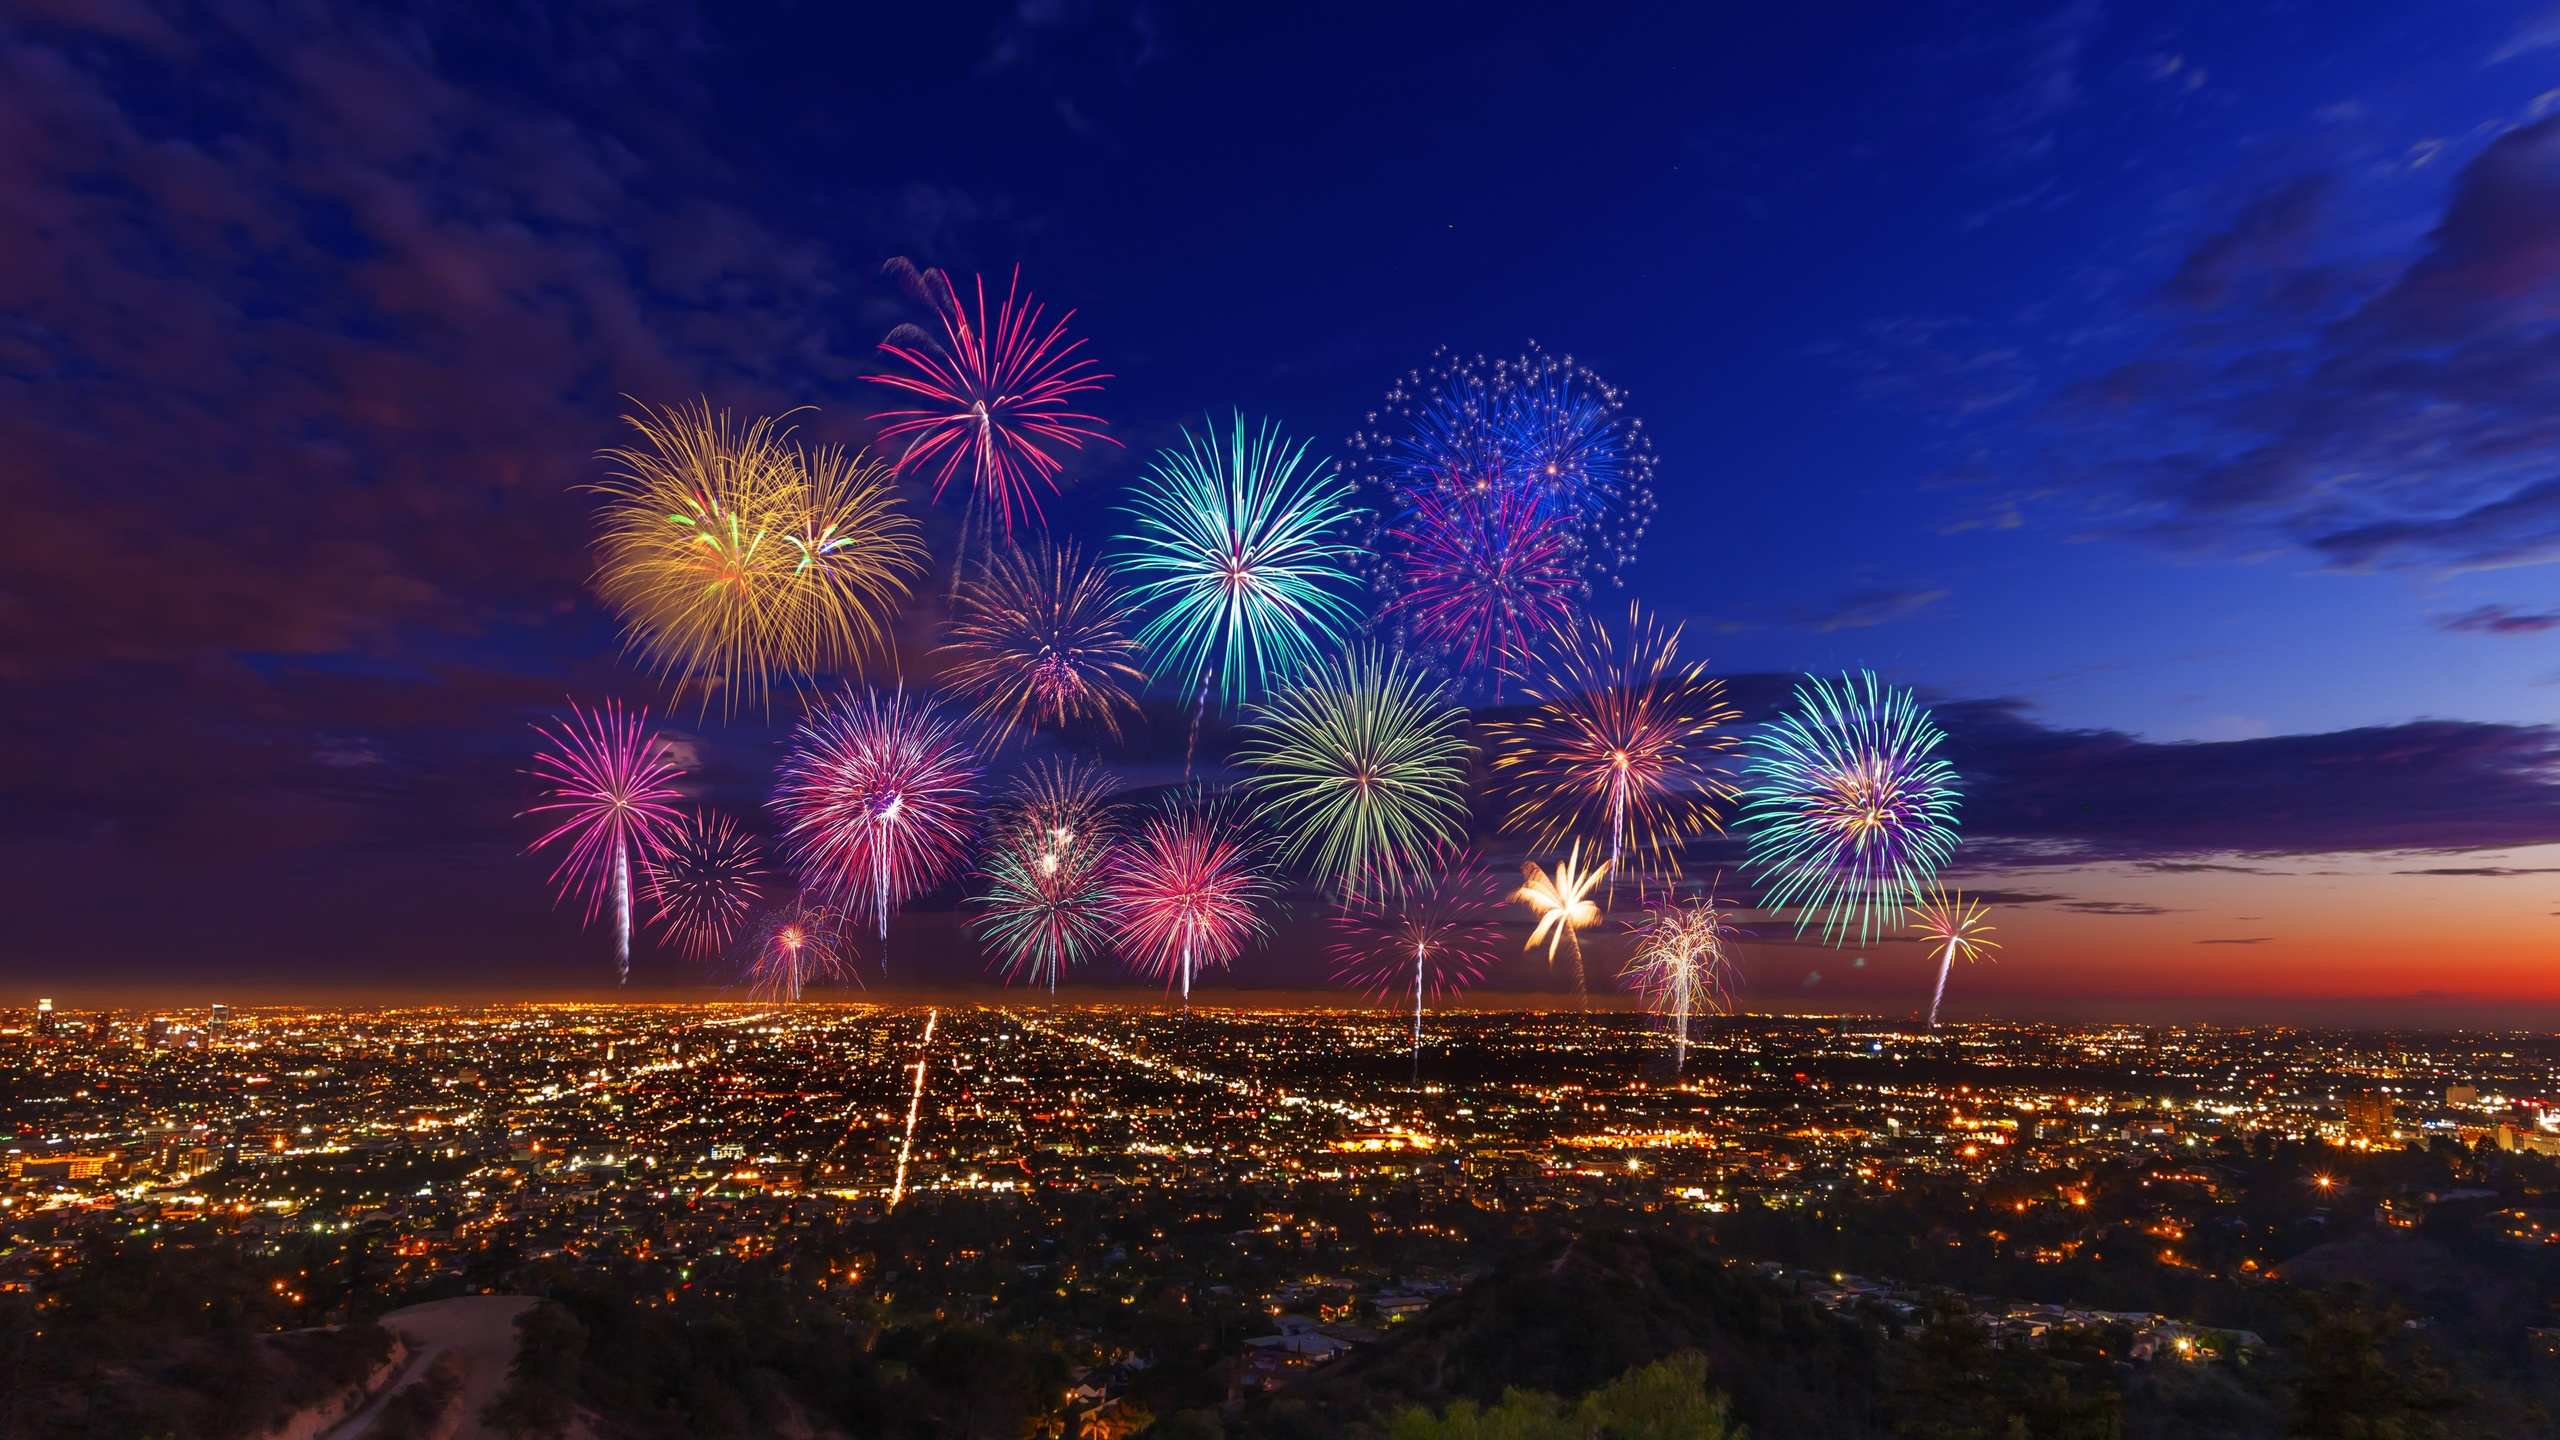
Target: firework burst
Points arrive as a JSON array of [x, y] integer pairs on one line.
[[1051, 900], [607, 783], [994, 395], [1240, 549], [1848, 807], [1188, 885], [792, 948], [1042, 638], [1434, 940], [1481, 576], [1361, 768], [877, 801], [1562, 902], [1956, 927], [1623, 740], [733, 556], [1684, 964], [702, 883]]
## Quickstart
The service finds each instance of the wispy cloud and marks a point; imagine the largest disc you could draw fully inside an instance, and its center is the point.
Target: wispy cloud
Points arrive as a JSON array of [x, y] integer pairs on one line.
[[2499, 620]]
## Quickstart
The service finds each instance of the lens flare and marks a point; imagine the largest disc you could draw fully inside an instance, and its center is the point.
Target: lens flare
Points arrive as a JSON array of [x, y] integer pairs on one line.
[[1361, 767], [1624, 740], [878, 802], [1957, 928], [606, 779], [703, 882], [734, 557], [1042, 639], [1849, 809], [1188, 886], [1240, 549]]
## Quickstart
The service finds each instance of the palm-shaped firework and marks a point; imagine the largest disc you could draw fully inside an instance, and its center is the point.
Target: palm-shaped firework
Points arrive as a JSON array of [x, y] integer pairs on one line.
[[1562, 902], [1624, 739], [1042, 638], [1361, 768], [876, 799], [1051, 900], [607, 784], [1683, 963], [733, 556], [1849, 808], [1955, 926], [1188, 887], [1433, 940], [792, 948], [1238, 546], [994, 393], [703, 882]]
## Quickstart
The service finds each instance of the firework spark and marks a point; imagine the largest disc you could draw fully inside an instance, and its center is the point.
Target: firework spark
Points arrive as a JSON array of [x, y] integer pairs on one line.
[[791, 948], [1956, 927], [703, 882], [606, 778], [1361, 767], [1239, 547], [1562, 902], [876, 799], [1041, 638], [1435, 940], [1482, 576], [1051, 901], [995, 398], [1188, 885], [733, 556], [1683, 963], [1623, 739], [1848, 807]]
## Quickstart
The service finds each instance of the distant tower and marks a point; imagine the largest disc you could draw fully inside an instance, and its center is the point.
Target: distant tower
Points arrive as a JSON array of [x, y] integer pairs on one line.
[[44, 1017], [221, 1020]]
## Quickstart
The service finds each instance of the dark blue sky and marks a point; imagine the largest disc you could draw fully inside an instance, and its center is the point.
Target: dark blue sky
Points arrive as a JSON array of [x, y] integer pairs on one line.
[[2121, 375]]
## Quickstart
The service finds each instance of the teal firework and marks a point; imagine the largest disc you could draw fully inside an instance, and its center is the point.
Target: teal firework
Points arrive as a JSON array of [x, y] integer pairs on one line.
[[1848, 807], [1360, 765], [1239, 549]]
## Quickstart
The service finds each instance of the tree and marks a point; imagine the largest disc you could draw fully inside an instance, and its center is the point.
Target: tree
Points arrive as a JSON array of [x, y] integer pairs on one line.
[[1666, 1400]]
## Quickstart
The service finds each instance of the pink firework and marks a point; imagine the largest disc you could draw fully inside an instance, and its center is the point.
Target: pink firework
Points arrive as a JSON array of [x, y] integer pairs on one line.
[[1187, 889], [995, 398], [878, 799], [702, 882], [606, 778], [1433, 940], [1486, 573], [791, 948]]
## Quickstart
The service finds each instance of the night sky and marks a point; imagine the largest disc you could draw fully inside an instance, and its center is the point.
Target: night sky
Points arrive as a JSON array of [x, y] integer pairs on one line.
[[2171, 392]]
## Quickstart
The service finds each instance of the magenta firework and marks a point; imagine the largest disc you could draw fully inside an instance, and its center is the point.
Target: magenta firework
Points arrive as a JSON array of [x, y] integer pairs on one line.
[[1189, 885], [607, 789], [1434, 939], [703, 881], [878, 800]]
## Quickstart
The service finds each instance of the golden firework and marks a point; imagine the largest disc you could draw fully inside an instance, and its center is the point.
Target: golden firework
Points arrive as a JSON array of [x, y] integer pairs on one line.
[[1954, 926], [734, 556], [1563, 905]]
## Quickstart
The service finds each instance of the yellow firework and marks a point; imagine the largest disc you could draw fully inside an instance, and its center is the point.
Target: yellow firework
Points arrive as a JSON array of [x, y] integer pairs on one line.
[[1954, 926], [1564, 907], [734, 556]]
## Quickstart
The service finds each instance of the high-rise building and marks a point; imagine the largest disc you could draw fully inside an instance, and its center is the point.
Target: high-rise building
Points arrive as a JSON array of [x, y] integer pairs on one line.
[[221, 1019], [44, 1017], [158, 1032]]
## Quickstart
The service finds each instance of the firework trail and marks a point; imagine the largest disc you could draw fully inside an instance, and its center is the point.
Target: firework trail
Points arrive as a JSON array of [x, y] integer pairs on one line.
[[1956, 927], [1562, 903], [1051, 900], [1041, 638], [732, 556], [607, 780], [702, 881], [1187, 887], [1240, 549], [1481, 576], [1436, 939], [915, 1103], [1624, 738], [994, 398], [1848, 808], [1359, 765], [877, 801], [1683, 963], [792, 947]]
